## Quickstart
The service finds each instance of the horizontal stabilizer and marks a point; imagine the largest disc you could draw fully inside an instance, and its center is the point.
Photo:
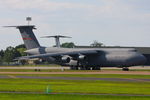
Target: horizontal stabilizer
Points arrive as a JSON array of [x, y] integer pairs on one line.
[[22, 26], [28, 36], [56, 36]]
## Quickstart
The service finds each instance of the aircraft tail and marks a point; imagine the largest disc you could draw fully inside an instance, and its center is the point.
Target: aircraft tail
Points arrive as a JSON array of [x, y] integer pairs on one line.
[[28, 36]]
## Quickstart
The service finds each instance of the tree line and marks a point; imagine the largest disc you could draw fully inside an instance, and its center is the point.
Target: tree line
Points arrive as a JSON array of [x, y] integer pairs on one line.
[[8, 55]]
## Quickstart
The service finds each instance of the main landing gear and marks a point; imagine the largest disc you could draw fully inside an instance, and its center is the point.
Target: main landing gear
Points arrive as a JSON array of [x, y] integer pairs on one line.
[[96, 68], [125, 69], [84, 68], [74, 68]]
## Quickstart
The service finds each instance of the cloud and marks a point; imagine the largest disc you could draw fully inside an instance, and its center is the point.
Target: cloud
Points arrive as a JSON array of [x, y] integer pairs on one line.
[[103, 8], [40, 4], [95, 19]]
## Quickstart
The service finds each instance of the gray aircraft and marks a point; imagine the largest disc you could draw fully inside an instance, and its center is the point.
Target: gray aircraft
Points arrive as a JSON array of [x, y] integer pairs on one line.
[[79, 58]]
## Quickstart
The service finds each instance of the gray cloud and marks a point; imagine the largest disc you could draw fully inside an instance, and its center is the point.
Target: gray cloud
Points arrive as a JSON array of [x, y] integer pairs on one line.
[[114, 22]]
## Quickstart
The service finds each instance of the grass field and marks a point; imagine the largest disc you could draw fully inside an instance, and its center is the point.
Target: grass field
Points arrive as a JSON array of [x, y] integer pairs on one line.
[[67, 97], [75, 86]]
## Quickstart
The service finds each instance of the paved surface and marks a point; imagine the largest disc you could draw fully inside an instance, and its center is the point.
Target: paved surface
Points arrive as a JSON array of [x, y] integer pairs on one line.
[[83, 78], [137, 67], [74, 78], [89, 72], [34, 67], [20, 67]]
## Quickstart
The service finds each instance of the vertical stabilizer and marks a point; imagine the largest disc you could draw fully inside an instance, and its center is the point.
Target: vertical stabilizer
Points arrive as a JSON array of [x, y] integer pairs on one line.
[[28, 36]]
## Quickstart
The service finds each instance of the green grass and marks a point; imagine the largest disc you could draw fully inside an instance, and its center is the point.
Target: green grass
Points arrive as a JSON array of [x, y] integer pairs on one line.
[[67, 97], [74, 86]]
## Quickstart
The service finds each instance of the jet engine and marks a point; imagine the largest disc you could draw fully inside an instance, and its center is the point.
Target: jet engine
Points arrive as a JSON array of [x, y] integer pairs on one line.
[[82, 57], [65, 59]]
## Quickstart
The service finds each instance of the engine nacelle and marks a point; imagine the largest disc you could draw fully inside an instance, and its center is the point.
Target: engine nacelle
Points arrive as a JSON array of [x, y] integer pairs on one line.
[[65, 59], [82, 57]]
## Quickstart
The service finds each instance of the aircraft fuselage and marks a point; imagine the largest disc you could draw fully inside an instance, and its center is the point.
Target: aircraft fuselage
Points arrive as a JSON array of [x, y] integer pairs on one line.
[[106, 57]]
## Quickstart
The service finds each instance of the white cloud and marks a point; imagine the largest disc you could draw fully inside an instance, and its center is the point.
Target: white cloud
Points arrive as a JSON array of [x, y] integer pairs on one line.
[[108, 8], [40, 4], [95, 20]]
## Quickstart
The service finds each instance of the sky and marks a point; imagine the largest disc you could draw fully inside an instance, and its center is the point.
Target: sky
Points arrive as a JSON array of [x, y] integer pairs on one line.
[[112, 22]]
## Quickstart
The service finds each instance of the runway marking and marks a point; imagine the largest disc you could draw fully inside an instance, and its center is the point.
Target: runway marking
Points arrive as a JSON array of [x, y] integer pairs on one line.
[[11, 76]]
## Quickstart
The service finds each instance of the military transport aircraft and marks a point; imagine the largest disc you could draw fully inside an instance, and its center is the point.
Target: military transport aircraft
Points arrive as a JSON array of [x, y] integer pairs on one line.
[[79, 58]]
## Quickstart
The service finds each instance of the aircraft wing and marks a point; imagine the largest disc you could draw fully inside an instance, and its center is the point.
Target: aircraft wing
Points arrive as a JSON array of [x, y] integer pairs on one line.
[[73, 53]]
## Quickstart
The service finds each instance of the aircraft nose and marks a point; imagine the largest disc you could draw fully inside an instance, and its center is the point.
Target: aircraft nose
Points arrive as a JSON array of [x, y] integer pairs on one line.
[[137, 59]]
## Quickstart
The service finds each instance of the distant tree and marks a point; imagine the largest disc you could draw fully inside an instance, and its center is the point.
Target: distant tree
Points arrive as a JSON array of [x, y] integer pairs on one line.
[[10, 54], [1, 53], [97, 44], [68, 45], [1, 60], [21, 51], [21, 48], [1, 56]]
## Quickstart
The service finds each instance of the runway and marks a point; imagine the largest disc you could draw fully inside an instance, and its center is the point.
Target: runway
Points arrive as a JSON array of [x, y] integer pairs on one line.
[[34, 67], [73, 78], [85, 72], [28, 67]]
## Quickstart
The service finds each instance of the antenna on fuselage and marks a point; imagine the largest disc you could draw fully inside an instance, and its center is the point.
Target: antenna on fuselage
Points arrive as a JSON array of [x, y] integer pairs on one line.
[[57, 39]]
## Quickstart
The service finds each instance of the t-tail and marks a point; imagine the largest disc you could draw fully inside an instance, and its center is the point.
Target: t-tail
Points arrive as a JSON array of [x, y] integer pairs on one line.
[[28, 36]]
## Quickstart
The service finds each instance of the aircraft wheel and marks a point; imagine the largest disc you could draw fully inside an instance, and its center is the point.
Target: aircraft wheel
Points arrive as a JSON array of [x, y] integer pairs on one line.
[[76, 68], [96, 68], [73, 68], [88, 68], [99, 68], [82, 68], [125, 69], [93, 68]]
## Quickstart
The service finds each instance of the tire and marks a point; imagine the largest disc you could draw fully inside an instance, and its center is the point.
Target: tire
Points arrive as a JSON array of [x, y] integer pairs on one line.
[[96, 68], [73, 68], [125, 69]]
